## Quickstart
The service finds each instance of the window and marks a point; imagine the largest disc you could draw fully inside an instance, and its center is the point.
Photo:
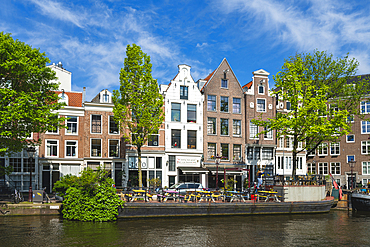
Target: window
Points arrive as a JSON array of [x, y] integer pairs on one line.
[[176, 138], [323, 168], [335, 168], [350, 138], [183, 92], [365, 107], [261, 89], [153, 140], [237, 127], [224, 151], [299, 163], [253, 130], [158, 162], [280, 162], [192, 113], [350, 158], [211, 103], [281, 142], [261, 105], [52, 129], [236, 105], [365, 147], [106, 97], [113, 148], [211, 151], [237, 151], [311, 168], [250, 153], [16, 163], [27, 164], [224, 83], [288, 106], [51, 148], [113, 126], [192, 139], [224, 106], [365, 127], [256, 153], [95, 123], [335, 148], [71, 149], [267, 153], [172, 163], [268, 135], [71, 125], [323, 149], [224, 126], [350, 119], [289, 142], [176, 112], [95, 147], [365, 168], [211, 126]]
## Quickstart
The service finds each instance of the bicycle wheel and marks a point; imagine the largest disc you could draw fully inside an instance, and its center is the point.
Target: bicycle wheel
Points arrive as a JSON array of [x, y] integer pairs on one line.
[[16, 199]]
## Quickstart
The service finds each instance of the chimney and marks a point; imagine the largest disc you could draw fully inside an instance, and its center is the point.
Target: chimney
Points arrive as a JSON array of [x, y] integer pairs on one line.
[[84, 95]]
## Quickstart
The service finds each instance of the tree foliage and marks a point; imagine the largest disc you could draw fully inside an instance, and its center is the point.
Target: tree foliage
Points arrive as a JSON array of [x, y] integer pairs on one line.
[[28, 104], [138, 105], [90, 197], [321, 97]]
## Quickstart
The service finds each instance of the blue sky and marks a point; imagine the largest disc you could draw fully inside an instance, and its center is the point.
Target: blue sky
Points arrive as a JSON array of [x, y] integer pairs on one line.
[[90, 37]]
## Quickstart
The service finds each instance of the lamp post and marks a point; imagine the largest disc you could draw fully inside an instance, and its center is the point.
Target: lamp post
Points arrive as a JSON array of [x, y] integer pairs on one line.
[[217, 161], [351, 164], [30, 151]]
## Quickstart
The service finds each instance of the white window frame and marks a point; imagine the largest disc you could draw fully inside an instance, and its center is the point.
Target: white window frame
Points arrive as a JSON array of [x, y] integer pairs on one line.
[[364, 105], [76, 146], [365, 144], [310, 167], [258, 105], [237, 108], [367, 164], [52, 133], [210, 126], [72, 123], [227, 83], [109, 117], [101, 148], [335, 146], [109, 140], [323, 165], [268, 135], [228, 127], [235, 127], [253, 127], [335, 165], [347, 158], [367, 125], [320, 149], [227, 99], [354, 140], [101, 123], [46, 148]]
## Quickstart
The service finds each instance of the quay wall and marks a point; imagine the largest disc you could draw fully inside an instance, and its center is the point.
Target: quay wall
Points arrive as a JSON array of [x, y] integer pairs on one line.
[[29, 209]]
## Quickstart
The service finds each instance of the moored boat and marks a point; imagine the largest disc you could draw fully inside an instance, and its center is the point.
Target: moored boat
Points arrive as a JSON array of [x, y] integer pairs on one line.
[[360, 201]]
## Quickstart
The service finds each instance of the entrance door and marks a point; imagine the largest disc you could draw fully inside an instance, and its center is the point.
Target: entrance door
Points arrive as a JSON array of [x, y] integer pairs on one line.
[[46, 181], [351, 182]]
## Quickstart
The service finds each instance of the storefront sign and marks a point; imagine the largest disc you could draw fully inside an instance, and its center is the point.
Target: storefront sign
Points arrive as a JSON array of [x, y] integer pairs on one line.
[[184, 160]]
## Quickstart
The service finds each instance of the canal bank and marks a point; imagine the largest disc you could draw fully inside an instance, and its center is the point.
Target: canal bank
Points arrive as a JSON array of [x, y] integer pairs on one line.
[[25, 209]]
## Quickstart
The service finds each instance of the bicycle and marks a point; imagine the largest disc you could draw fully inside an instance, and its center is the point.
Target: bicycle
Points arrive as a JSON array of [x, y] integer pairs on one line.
[[17, 196]]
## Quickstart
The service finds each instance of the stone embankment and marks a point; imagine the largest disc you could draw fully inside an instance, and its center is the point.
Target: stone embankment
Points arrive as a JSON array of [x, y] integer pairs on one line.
[[24, 208]]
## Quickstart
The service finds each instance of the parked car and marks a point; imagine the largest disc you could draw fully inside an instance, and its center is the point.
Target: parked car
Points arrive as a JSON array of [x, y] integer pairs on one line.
[[182, 188]]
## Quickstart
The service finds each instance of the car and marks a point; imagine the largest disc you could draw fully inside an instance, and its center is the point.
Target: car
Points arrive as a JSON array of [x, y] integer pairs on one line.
[[182, 188]]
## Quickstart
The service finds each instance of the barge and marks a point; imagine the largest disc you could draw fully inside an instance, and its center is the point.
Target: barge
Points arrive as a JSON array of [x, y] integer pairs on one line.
[[360, 202], [139, 210]]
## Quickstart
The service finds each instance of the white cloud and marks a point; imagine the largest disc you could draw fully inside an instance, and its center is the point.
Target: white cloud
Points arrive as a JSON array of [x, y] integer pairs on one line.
[[201, 45]]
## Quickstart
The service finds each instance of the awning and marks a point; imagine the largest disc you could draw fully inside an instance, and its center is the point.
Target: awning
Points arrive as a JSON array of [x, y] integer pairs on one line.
[[192, 170], [213, 170]]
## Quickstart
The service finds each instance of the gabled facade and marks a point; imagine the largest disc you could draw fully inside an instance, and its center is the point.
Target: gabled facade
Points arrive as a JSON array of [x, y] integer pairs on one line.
[[183, 129], [224, 122]]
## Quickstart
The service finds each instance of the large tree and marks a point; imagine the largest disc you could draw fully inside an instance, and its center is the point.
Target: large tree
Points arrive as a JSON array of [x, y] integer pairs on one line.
[[138, 105], [323, 92], [28, 104]]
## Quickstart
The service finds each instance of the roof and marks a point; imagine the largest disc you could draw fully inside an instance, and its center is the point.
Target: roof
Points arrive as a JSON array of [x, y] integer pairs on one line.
[[248, 85], [74, 98]]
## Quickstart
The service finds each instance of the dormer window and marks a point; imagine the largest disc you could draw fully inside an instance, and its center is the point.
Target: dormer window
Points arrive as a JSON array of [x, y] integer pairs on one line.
[[63, 98], [106, 98]]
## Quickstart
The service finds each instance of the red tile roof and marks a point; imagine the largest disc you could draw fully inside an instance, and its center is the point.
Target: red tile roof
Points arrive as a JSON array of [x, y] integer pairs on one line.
[[248, 85], [75, 99]]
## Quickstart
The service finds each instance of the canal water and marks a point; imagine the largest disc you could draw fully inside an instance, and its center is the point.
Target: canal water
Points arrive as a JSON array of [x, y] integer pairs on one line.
[[337, 228]]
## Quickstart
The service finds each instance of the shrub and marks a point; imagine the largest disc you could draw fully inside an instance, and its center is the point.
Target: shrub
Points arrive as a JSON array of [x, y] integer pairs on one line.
[[90, 197]]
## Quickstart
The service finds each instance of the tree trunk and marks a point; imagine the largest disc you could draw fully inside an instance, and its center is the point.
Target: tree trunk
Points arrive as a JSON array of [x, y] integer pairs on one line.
[[139, 167], [295, 146]]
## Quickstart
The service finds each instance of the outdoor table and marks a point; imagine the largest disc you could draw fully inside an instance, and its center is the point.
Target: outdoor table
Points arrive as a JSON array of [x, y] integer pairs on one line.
[[139, 194], [191, 195], [269, 195], [171, 194], [206, 195], [236, 195]]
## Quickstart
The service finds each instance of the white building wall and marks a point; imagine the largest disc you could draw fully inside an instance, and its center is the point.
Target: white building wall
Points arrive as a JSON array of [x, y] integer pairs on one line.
[[64, 77]]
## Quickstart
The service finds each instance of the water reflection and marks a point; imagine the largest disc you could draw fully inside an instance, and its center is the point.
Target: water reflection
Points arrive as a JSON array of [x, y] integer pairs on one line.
[[335, 228]]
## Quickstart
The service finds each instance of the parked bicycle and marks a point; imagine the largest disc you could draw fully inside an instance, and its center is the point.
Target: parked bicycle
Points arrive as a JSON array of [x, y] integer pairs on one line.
[[17, 196]]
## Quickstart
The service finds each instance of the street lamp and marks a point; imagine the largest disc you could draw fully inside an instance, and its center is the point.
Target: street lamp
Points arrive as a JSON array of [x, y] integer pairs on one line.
[[351, 164], [30, 151], [217, 160]]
